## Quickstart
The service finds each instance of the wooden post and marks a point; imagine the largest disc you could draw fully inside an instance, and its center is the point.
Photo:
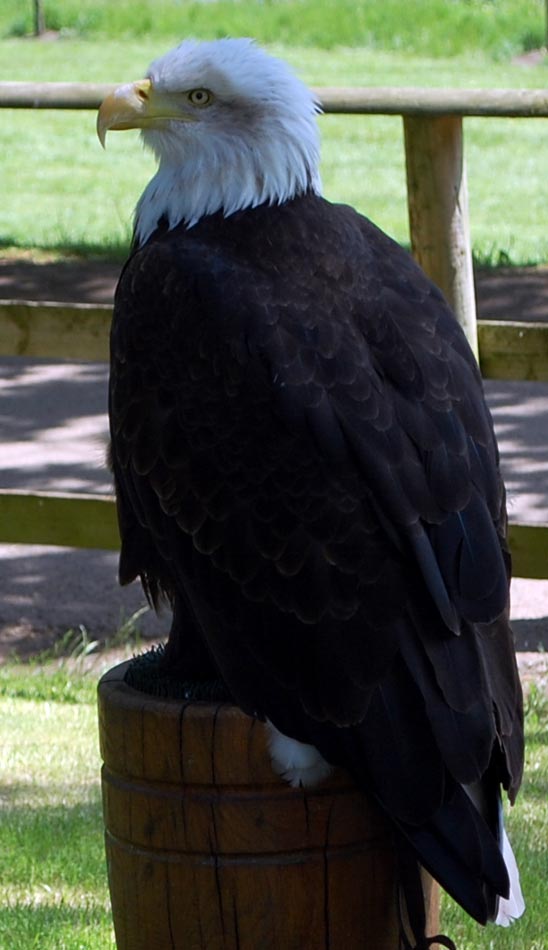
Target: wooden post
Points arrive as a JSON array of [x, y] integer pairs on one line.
[[207, 849], [39, 18], [438, 211]]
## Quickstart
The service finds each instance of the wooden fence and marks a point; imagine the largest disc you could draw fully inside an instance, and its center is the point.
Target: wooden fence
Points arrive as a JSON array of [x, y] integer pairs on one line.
[[440, 238]]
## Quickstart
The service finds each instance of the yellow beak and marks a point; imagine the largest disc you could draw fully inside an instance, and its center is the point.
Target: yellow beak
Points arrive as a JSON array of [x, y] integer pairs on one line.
[[138, 105]]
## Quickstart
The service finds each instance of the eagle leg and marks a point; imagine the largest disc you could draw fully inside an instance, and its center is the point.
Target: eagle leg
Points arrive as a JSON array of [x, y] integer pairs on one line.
[[186, 657], [411, 904]]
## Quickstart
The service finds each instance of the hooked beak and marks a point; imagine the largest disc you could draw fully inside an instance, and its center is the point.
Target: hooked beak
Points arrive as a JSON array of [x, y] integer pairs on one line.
[[138, 105]]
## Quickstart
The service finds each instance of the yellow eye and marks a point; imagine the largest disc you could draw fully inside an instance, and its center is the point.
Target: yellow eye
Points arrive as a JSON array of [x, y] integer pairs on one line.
[[199, 97]]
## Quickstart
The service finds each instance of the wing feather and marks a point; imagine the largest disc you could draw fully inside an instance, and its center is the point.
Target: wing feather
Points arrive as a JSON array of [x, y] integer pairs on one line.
[[301, 449]]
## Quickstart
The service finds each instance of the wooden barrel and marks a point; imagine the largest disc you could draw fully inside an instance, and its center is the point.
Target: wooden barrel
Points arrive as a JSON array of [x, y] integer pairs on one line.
[[207, 849]]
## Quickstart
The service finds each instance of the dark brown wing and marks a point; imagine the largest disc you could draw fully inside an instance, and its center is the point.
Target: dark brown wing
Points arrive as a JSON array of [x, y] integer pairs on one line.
[[304, 459]]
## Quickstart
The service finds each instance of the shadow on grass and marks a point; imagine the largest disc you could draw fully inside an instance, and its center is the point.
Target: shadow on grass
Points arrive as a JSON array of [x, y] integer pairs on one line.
[[50, 926], [53, 871], [114, 250], [57, 846], [536, 791]]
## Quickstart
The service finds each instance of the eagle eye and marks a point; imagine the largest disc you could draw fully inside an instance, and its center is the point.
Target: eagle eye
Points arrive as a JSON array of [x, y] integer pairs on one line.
[[199, 97]]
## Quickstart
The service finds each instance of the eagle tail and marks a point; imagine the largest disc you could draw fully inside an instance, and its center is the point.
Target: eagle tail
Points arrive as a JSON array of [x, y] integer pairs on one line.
[[413, 934], [511, 907]]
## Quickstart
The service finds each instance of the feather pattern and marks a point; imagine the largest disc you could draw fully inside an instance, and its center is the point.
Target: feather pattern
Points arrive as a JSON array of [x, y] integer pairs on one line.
[[321, 480], [306, 468]]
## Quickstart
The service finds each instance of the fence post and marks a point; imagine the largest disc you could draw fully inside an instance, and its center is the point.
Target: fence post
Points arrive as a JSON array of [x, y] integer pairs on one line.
[[39, 18], [437, 197]]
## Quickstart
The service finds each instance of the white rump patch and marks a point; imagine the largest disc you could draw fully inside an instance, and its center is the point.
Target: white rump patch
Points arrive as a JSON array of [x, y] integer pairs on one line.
[[296, 762]]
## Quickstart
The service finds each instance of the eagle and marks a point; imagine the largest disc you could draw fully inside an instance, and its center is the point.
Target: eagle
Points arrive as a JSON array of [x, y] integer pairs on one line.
[[305, 467]]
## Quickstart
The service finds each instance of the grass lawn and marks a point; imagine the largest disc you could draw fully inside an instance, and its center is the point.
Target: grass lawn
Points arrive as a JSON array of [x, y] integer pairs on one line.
[[61, 193], [53, 890], [437, 28], [528, 831]]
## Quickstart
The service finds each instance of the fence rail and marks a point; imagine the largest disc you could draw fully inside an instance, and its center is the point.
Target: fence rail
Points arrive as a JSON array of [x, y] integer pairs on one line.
[[89, 521], [440, 238], [61, 519], [76, 331], [354, 100], [436, 173], [50, 330]]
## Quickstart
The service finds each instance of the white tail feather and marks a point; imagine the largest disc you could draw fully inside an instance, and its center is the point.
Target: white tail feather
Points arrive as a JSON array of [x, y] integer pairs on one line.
[[512, 907]]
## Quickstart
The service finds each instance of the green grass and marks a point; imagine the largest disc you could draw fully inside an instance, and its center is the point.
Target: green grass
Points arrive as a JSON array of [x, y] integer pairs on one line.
[[62, 194], [53, 888], [528, 831], [439, 27]]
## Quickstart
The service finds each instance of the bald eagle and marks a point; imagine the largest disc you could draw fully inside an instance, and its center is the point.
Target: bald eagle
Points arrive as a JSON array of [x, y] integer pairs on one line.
[[305, 466]]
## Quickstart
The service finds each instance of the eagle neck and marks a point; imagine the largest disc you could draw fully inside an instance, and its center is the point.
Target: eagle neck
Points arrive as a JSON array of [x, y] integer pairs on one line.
[[224, 181]]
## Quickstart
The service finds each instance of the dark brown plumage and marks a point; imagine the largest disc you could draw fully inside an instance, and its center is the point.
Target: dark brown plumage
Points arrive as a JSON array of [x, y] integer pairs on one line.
[[305, 464]]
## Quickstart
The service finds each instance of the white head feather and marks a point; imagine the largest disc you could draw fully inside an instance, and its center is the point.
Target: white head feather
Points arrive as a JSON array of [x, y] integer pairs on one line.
[[257, 141]]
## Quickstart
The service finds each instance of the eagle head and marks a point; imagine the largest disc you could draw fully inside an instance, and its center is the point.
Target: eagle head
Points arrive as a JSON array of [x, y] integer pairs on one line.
[[231, 126]]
